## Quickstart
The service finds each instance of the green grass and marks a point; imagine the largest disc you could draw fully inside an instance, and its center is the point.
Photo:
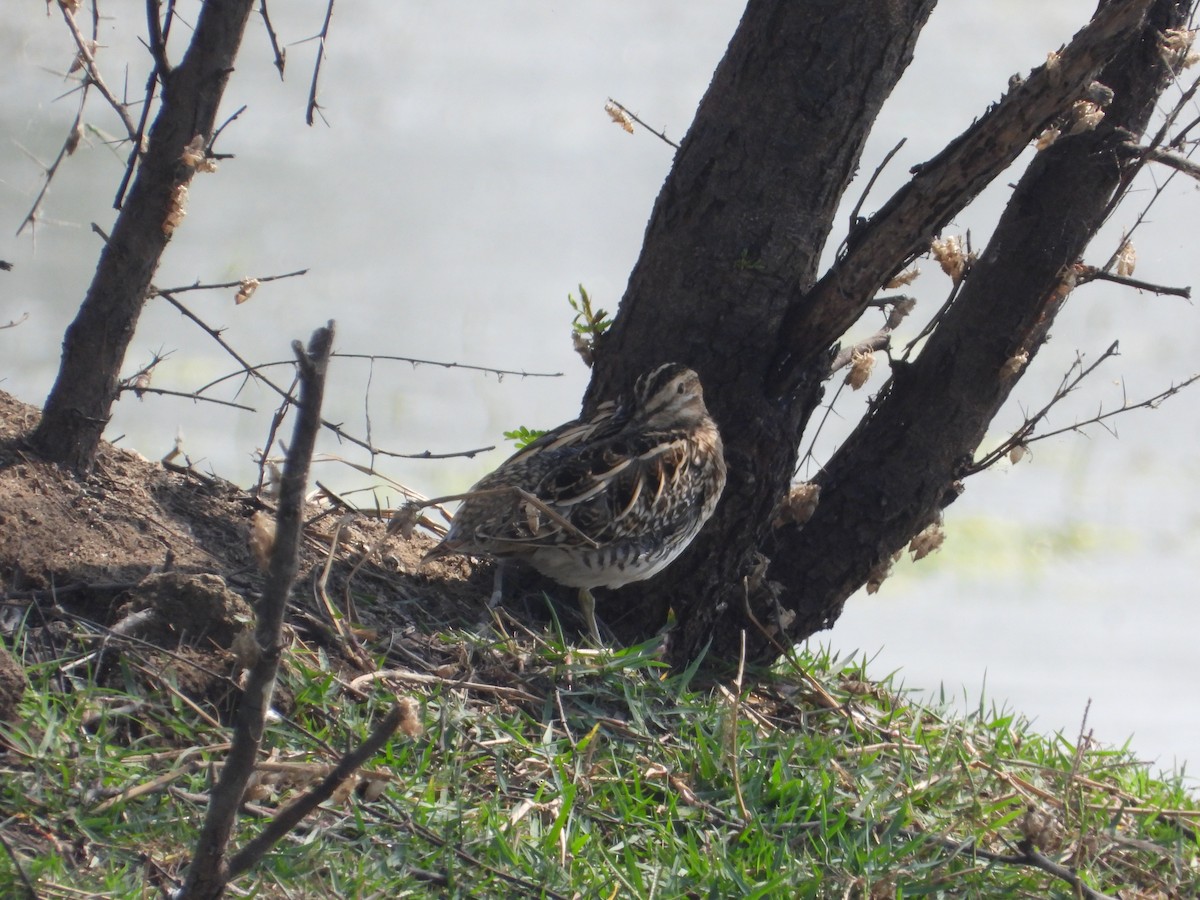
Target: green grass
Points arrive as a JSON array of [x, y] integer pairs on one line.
[[557, 772]]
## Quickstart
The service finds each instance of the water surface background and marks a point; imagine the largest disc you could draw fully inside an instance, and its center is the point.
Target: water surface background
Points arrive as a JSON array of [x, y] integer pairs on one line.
[[468, 179]]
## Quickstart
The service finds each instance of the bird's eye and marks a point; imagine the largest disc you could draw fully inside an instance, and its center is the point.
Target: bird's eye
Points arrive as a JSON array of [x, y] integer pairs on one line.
[[679, 388]]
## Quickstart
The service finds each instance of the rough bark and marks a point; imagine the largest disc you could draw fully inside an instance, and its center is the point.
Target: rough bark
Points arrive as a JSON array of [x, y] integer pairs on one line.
[[735, 236], [900, 466], [78, 407], [727, 283]]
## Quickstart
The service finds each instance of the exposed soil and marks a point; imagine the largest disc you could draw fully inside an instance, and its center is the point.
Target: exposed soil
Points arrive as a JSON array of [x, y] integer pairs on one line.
[[155, 556]]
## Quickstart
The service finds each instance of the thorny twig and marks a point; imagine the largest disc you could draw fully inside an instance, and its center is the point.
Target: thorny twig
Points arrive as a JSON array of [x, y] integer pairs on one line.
[[290, 816], [88, 62], [413, 361], [159, 28], [659, 134], [68, 147], [1157, 141], [210, 867], [313, 108], [1091, 273], [1024, 435], [336, 429], [280, 52], [870, 184], [225, 285], [217, 133], [901, 307], [139, 383], [13, 323]]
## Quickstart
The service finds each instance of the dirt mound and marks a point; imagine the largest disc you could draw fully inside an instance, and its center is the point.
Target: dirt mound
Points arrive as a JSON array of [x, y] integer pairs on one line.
[[142, 552]]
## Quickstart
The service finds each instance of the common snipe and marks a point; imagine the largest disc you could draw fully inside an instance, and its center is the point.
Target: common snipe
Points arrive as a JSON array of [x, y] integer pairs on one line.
[[605, 501]]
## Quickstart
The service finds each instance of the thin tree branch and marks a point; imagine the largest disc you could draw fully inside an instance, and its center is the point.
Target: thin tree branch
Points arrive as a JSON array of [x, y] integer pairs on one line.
[[870, 184], [491, 370], [313, 108], [487, 370], [210, 871], [88, 61], [68, 147], [336, 429], [659, 134], [139, 390], [904, 226], [280, 53], [1091, 273], [15, 322], [291, 815], [217, 133], [225, 285], [158, 40], [1167, 158], [1024, 435]]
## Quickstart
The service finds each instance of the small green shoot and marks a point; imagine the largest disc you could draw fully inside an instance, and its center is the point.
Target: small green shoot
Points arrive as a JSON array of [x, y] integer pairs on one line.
[[588, 325], [522, 437]]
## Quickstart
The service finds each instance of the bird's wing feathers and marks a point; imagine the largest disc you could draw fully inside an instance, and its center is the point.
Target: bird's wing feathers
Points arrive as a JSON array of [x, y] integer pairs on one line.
[[577, 491]]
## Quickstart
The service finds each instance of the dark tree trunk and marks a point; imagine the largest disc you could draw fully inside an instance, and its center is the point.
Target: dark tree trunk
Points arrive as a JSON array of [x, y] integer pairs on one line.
[[78, 408], [734, 239], [727, 283], [902, 464]]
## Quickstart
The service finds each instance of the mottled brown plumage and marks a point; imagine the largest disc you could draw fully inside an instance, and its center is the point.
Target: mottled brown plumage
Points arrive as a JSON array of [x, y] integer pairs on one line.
[[605, 501]]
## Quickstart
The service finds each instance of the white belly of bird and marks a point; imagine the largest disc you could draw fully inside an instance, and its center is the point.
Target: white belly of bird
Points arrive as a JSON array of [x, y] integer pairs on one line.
[[607, 567]]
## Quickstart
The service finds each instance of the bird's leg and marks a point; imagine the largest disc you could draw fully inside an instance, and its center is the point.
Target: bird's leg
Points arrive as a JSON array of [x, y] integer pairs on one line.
[[587, 603], [497, 585]]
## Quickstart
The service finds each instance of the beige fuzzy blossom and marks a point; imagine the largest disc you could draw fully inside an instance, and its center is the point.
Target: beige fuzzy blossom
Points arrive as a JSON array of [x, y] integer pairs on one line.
[[1048, 137], [1085, 116], [404, 520], [798, 506], [195, 156], [140, 383], [246, 289], [619, 116], [1175, 45], [86, 53], [1052, 60], [1126, 259], [1013, 365], [262, 538], [927, 541], [177, 210], [880, 571], [903, 279], [1017, 453], [952, 256], [861, 364]]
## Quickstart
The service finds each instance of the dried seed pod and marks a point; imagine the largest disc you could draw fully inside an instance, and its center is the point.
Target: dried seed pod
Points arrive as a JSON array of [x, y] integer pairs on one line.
[[927, 541], [619, 116], [1126, 259], [246, 289], [1014, 365], [798, 506], [903, 279], [262, 538], [952, 256], [177, 210], [861, 364]]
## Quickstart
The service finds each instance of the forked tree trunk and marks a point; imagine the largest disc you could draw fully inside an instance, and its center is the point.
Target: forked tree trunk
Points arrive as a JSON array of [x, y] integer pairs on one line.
[[79, 405], [727, 283]]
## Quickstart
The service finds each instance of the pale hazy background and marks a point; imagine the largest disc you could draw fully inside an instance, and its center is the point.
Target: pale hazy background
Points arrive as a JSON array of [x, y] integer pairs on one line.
[[468, 179]]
